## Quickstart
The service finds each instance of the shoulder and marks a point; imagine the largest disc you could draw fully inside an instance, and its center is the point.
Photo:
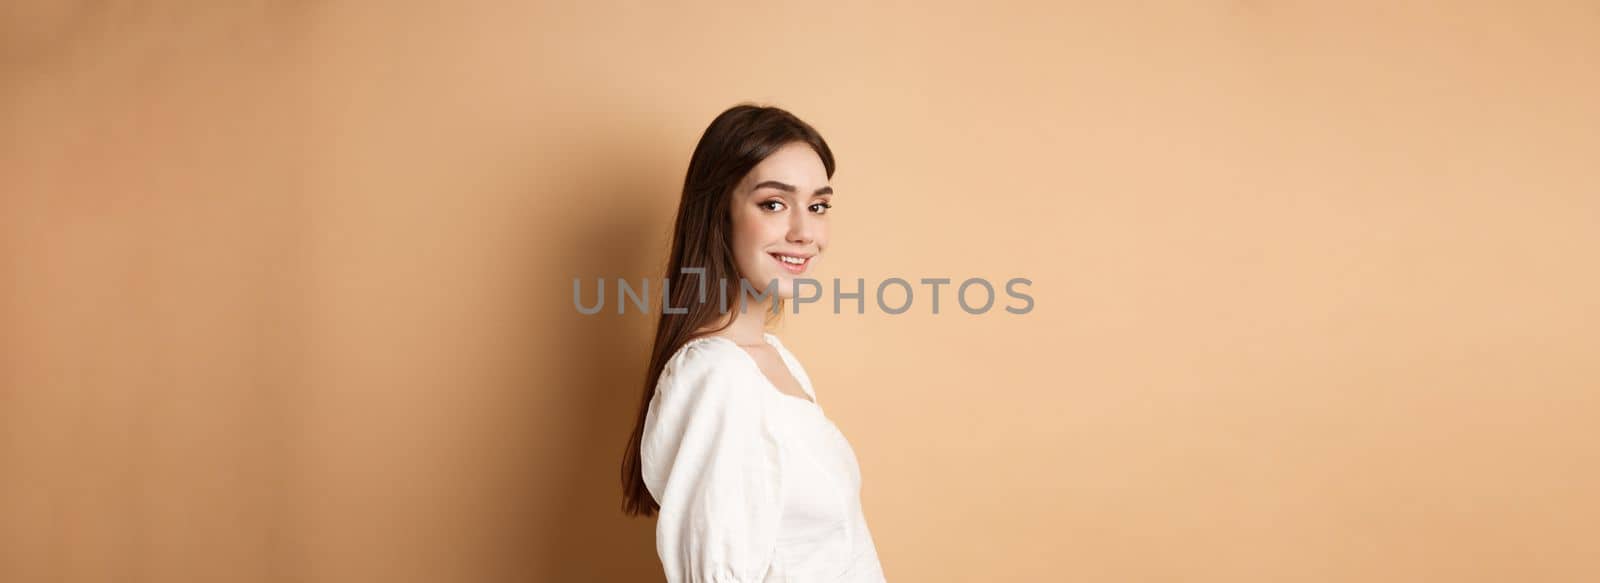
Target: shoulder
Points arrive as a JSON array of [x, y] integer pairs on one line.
[[704, 384], [700, 360]]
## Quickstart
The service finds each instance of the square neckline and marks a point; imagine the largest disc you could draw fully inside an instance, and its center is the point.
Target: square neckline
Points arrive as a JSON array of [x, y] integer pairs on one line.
[[771, 339]]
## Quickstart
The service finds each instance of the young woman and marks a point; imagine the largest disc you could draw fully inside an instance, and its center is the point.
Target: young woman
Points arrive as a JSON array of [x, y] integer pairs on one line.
[[751, 481]]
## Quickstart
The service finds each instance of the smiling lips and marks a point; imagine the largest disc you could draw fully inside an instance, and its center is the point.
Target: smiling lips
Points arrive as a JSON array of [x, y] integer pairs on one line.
[[792, 263]]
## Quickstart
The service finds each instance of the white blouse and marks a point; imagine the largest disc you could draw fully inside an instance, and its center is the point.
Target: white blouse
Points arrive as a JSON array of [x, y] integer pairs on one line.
[[755, 485]]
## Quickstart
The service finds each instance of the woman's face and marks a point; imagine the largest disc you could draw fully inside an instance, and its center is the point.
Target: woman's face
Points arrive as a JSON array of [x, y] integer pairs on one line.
[[780, 220]]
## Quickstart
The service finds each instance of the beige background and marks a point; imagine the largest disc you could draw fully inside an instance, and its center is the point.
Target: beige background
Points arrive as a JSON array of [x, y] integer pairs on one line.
[[287, 285]]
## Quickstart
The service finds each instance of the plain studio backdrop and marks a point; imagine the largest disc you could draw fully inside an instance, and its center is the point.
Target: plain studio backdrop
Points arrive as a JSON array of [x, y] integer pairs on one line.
[[287, 286]]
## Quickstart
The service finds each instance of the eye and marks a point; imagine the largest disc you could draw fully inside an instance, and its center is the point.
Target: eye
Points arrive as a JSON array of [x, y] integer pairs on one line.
[[764, 204], [821, 208]]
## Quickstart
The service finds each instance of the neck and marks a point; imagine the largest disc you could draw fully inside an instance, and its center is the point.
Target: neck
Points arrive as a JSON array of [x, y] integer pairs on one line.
[[749, 325]]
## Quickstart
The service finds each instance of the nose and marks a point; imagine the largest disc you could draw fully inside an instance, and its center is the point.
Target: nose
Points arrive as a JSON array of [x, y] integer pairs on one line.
[[802, 228]]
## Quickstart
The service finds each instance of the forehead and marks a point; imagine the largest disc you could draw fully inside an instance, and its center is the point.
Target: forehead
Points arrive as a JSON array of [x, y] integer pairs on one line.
[[794, 163]]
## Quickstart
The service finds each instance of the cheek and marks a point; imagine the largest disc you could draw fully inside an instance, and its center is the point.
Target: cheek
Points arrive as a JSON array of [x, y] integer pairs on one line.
[[754, 232], [748, 238], [743, 233]]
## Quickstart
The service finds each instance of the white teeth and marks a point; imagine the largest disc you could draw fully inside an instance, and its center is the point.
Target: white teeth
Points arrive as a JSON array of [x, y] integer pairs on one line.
[[791, 260]]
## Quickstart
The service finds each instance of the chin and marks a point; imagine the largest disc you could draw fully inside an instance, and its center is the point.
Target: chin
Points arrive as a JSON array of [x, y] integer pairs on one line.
[[785, 282], [786, 287]]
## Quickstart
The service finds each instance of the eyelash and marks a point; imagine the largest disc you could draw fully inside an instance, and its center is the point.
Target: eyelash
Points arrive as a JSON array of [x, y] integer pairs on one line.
[[825, 205]]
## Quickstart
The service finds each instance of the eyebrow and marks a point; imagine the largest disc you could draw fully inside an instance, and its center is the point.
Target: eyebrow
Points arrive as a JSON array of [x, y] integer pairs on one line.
[[791, 188]]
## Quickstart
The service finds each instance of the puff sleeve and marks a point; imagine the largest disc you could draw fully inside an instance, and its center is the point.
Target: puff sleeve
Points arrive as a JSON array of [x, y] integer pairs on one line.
[[713, 464]]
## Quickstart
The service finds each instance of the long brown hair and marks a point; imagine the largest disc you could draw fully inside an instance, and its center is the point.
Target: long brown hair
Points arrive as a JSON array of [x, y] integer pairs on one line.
[[731, 146]]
